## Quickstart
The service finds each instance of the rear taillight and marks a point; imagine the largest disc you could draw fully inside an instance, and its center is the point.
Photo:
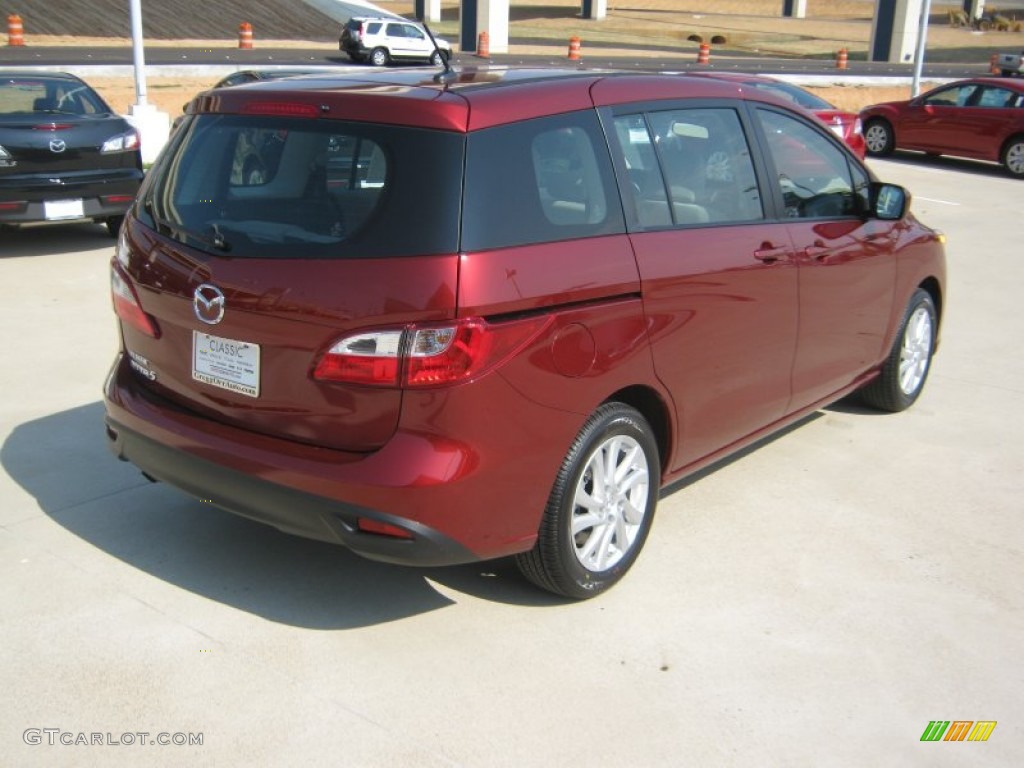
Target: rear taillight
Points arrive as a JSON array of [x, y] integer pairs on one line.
[[123, 142], [424, 355], [126, 300], [116, 199]]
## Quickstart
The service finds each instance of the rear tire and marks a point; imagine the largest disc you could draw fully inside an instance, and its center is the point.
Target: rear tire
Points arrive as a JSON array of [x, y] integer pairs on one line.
[[601, 507], [114, 225], [906, 368], [1013, 157], [379, 57], [878, 138]]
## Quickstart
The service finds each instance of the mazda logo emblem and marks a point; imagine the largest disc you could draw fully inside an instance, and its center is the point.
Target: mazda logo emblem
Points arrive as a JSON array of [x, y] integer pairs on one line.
[[208, 303], [57, 145]]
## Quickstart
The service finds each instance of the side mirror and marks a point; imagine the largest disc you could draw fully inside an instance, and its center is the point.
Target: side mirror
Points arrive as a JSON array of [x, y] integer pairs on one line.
[[889, 202]]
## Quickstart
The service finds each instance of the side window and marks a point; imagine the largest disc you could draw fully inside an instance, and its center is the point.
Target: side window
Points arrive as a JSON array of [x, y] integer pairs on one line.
[[997, 97], [644, 175], [956, 96], [707, 166], [373, 28], [539, 181], [567, 180], [395, 30], [413, 33], [814, 175]]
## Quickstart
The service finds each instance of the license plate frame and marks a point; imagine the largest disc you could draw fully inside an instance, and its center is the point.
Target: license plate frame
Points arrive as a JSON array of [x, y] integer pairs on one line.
[[226, 363], [58, 210]]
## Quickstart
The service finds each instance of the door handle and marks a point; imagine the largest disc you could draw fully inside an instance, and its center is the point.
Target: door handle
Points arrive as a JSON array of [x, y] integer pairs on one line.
[[769, 254], [818, 251]]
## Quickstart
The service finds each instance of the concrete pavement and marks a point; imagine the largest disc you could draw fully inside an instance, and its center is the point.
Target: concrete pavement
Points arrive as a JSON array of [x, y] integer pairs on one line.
[[817, 601]]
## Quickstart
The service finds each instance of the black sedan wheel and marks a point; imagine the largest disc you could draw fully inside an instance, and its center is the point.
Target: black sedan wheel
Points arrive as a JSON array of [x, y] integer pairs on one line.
[[114, 225]]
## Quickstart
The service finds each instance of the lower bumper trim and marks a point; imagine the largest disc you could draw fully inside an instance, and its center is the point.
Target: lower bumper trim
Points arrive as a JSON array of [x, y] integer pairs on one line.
[[290, 510]]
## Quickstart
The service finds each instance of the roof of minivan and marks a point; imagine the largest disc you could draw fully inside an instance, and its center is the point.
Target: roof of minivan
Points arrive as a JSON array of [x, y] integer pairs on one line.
[[464, 100]]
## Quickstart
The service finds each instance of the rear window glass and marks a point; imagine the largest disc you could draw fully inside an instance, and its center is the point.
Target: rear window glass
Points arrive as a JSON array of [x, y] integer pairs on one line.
[[288, 188], [539, 181], [42, 95]]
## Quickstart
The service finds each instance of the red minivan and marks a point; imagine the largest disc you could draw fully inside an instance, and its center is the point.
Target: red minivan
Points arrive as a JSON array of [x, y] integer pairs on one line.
[[492, 313]]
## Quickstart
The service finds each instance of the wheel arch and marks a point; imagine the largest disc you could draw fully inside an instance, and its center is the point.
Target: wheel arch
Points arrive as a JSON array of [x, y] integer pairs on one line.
[[932, 287], [654, 409], [881, 117]]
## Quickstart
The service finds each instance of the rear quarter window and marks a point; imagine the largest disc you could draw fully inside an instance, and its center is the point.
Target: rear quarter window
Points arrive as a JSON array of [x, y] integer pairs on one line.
[[539, 181]]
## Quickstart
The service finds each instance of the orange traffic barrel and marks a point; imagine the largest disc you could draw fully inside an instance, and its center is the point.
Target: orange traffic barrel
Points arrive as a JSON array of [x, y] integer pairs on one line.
[[483, 45], [574, 48], [15, 30], [842, 56], [993, 64], [704, 53], [245, 35]]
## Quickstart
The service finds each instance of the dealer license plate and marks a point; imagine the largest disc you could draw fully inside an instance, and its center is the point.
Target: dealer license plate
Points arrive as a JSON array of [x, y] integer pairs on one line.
[[226, 363], [63, 209]]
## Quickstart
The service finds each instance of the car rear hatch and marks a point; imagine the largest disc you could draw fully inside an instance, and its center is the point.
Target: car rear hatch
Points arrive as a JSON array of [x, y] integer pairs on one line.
[[259, 242]]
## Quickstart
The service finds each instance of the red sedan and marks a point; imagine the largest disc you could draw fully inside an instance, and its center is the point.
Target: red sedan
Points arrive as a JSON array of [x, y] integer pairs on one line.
[[980, 119], [846, 125]]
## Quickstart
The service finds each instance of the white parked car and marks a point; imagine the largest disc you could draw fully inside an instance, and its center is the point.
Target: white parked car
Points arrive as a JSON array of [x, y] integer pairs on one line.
[[383, 40]]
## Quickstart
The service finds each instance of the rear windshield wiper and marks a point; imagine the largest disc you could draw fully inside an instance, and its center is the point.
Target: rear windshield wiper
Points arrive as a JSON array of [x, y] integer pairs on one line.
[[217, 241]]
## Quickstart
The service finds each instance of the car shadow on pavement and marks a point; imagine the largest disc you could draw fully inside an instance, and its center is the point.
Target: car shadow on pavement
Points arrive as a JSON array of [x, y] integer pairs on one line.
[[63, 462], [48, 239]]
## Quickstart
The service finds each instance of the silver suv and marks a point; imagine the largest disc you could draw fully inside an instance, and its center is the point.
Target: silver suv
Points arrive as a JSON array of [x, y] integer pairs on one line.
[[382, 40]]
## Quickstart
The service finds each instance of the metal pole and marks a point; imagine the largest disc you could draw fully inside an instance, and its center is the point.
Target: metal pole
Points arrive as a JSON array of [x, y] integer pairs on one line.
[[922, 39], [137, 54]]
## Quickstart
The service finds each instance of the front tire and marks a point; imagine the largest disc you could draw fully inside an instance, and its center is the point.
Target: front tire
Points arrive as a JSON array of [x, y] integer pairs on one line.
[[438, 58], [906, 368], [379, 57], [1013, 157], [878, 138], [601, 507]]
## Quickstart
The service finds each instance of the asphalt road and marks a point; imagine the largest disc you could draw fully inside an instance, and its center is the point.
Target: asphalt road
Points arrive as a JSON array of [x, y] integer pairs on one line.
[[77, 58], [816, 601]]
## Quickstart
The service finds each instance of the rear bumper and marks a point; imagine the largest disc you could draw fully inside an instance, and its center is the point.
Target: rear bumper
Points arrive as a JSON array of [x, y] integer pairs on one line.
[[290, 510], [95, 190], [462, 499]]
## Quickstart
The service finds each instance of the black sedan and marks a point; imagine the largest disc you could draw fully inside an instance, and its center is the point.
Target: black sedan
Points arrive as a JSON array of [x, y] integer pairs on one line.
[[64, 154]]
